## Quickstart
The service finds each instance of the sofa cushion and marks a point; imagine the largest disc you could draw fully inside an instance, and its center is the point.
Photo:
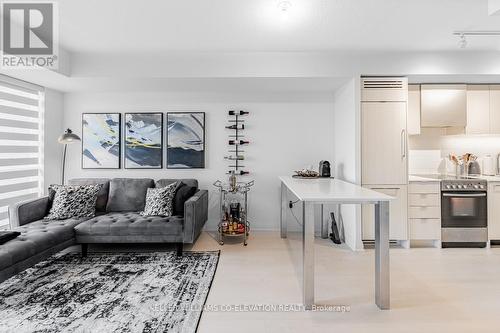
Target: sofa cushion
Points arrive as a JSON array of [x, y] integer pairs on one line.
[[36, 237], [76, 201], [128, 194], [159, 201], [167, 181], [183, 193], [129, 224], [102, 196], [185, 190]]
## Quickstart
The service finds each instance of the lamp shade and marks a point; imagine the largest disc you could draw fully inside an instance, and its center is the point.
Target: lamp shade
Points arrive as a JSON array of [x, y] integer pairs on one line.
[[68, 137]]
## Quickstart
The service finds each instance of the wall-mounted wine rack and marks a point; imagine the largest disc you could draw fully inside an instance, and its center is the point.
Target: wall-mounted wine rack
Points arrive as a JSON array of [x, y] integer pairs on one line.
[[236, 142]]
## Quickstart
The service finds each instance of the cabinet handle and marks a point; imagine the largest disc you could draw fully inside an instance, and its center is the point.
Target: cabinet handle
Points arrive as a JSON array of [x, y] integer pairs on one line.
[[461, 195], [403, 143]]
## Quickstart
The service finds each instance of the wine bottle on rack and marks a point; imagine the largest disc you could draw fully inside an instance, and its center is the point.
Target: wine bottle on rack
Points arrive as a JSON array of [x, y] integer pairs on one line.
[[233, 127], [241, 172], [239, 113], [238, 142], [234, 158]]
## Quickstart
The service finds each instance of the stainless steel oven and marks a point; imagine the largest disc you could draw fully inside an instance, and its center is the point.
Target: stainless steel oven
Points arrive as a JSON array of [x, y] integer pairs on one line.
[[464, 210]]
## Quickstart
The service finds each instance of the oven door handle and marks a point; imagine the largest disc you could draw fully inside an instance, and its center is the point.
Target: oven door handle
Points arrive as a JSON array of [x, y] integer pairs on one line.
[[462, 195]]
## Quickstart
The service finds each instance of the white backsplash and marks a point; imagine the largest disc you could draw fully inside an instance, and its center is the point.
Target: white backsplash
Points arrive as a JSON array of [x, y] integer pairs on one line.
[[425, 162], [428, 152]]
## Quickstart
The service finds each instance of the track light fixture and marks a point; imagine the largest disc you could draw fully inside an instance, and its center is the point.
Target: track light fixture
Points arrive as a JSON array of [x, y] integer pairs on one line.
[[462, 43]]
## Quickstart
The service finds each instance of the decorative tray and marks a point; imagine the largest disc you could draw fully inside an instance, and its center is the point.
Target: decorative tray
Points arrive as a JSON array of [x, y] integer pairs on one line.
[[305, 177]]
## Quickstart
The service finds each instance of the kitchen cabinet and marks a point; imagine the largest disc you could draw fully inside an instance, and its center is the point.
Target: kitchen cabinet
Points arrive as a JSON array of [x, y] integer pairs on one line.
[[384, 143], [398, 226], [494, 211], [443, 105], [425, 229], [422, 200], [478, 109], [425, 188], [424, 211], [483, 109], [494, 109], [413, 109], [384, 151]]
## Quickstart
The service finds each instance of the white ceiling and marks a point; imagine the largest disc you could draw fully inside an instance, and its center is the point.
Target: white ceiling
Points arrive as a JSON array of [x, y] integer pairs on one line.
[[237, 46], [159, 26]]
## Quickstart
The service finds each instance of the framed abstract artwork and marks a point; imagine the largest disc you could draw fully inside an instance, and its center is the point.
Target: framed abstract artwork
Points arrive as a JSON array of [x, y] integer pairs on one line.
[[101, 134], [185, 140], [143, 140]]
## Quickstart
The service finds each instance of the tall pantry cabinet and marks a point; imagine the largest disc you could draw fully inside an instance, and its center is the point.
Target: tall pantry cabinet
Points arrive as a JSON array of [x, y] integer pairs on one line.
[[384, 151]]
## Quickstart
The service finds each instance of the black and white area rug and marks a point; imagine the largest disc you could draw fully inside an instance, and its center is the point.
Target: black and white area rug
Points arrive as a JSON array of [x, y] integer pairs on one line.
[[109, 292]]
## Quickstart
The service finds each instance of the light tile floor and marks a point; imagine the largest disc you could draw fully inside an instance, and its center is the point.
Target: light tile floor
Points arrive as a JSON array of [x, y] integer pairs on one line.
[[433, 290]]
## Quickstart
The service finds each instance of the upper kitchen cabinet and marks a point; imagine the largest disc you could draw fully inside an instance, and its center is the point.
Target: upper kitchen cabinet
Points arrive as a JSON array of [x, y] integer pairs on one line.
[[413, 109], [384, 89], [383, 145], [494, 109], [478, 109], [443, 105]]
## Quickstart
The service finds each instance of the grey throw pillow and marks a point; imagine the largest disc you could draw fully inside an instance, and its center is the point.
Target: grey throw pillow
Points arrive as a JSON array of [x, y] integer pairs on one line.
[[183, 193], [73, 201], [159, 201]]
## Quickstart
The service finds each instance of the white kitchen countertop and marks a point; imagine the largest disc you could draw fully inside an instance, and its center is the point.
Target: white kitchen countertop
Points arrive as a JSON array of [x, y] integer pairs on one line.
[[490, 178], [424, 178], [416, 178], [331, 190]]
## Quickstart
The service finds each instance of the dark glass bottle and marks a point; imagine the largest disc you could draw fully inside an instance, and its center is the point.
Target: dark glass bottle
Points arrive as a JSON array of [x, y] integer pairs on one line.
[[233, 127], [238, 142], [239, 113]]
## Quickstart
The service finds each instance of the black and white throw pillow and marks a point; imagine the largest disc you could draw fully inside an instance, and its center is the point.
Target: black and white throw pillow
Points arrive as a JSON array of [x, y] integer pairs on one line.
[[73, 201], [159, 201]]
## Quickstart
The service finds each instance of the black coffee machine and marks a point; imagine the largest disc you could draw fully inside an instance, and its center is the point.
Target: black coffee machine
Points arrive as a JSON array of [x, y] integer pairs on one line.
[[324, 169]]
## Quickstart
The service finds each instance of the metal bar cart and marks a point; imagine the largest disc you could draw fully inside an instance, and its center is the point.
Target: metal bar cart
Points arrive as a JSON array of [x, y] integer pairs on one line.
[[233, 221]]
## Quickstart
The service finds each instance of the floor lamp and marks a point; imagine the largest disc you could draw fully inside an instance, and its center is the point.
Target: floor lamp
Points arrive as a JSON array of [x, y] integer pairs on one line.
[[66, 138]]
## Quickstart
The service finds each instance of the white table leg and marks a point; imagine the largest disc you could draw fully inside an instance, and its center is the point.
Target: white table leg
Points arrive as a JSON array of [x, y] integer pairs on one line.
[[284, 209], [382, 273], [308, 254]]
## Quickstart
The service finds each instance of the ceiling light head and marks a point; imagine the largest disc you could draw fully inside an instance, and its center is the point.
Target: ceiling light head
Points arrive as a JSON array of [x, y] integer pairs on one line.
[[284, 5]]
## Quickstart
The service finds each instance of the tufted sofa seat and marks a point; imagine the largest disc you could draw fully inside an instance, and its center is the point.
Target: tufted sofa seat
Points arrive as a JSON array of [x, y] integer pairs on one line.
[[130, 227], [117, 220], [37, 240]]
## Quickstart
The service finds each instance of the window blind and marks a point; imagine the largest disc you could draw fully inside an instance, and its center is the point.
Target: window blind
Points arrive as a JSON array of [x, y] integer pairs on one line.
[[21, 144]]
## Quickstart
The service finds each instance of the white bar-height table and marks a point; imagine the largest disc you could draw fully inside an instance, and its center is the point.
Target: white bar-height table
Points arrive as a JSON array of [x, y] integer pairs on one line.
[[314, 193]]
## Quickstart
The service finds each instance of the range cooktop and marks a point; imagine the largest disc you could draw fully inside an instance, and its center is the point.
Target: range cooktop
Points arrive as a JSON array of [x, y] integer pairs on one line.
[[464, 184], [450, 177], [459, 183]]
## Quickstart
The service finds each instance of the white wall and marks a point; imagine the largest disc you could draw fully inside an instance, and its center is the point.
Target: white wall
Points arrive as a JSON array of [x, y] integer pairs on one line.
[[53, 127], [284, 135], [347, 155]]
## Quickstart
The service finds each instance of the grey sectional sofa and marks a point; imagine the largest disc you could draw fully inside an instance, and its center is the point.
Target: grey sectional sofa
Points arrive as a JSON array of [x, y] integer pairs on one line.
[[117, 220]]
